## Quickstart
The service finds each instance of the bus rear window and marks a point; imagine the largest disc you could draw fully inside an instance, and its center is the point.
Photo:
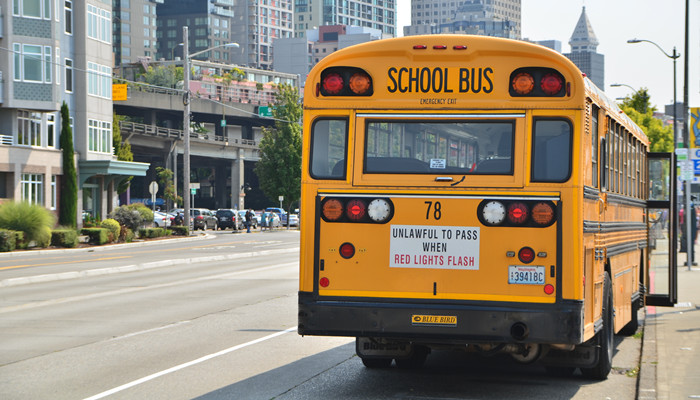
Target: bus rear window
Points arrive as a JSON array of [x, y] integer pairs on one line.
[[439, 147], [551, 150], [328, 148]]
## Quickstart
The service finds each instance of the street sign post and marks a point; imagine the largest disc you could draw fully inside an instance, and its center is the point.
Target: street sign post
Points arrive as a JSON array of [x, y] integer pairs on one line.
[[153, 189]]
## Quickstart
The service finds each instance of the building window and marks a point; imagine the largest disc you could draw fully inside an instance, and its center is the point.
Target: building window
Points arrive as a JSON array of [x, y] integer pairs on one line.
[[69, 16], [99, 24], [51, 130], [52, 206], [99, 80], [32, 8], [32, 188], [69, 75], [28, 128], [99, 136], [32, 63]]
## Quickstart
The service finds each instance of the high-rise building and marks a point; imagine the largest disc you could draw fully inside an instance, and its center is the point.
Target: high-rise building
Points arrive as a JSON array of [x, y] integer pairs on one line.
[[479, 17], [134, 30], [210, 24], [59, 52], [584, 45], [312, 14], [256, 24]]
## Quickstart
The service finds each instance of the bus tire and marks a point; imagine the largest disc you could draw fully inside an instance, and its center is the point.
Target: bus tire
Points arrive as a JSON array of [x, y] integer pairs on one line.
[[604, 338], [377, 362]]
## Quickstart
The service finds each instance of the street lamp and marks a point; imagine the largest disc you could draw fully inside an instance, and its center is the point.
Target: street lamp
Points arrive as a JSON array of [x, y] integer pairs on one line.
[[686, 141], [187, 58], [623, 84]]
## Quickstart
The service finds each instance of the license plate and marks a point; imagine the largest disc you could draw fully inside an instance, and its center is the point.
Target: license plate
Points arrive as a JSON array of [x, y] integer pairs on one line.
[[526, 275], [434, 320]]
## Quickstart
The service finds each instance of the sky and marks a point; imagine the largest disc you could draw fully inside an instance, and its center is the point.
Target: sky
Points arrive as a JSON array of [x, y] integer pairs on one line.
[[639, 65]]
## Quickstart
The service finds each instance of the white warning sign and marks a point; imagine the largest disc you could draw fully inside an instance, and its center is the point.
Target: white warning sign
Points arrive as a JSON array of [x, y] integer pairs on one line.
[[439, 247]]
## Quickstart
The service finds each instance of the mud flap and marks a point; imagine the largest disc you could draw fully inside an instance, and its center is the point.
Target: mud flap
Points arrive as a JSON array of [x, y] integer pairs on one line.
[[583, 356], [381, 348]]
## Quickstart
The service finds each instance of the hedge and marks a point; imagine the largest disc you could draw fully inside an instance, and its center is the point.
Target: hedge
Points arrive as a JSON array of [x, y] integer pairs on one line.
[[64, 238], [7, 240], [96, 235], [179, 230], [151, 233]]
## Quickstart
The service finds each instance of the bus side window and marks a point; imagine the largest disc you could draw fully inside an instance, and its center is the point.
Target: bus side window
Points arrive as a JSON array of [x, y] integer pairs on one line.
[[329, 148], [551, 152]]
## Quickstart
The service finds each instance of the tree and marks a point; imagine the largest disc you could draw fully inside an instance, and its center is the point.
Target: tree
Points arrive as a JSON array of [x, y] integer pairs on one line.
[[279, 168], [165, 177], [68, 209], [121, 150], [163, 76], [639, 109]]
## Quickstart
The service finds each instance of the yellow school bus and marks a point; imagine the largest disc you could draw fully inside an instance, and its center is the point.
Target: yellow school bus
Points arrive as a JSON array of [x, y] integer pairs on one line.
[[480, 194]]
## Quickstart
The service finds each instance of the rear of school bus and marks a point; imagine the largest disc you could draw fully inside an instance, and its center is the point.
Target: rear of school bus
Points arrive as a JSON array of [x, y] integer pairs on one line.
[[442, 200]]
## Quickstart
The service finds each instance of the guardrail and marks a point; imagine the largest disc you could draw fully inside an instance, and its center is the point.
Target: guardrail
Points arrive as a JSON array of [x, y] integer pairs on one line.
[[150, 130]]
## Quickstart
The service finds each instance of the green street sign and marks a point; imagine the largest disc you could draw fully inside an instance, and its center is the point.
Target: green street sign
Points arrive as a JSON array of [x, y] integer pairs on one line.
[[264, 111], [193, 190]]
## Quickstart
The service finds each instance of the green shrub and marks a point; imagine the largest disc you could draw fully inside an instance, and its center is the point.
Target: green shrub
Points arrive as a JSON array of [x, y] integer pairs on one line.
[[179, 230], [7, 240], [96, 235], [129, 235], [66, 237], [113, 226], [151, 233], [32, 219], [20, 242], [133, 216]]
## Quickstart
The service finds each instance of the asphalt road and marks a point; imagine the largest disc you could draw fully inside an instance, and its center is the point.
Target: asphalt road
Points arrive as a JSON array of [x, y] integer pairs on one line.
[[215, 318]]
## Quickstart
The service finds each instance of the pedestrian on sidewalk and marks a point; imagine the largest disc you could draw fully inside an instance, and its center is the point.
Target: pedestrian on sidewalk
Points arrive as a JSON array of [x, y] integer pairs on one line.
[[248, 220]]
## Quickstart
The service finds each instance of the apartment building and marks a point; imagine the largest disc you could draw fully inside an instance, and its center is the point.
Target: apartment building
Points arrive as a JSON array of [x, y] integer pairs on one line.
[[376, 14], [55, 52]]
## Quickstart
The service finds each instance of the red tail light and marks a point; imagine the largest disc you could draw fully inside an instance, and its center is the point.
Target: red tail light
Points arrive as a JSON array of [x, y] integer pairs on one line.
[[324, 282], [526, 255], [333, 83], [517, 213], [551, 84], [347, 250], [356, 210]]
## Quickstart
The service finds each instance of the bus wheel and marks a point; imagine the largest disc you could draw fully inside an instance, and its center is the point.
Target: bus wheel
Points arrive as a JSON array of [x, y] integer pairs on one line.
[[417, 359], [604, 338], [377, 362]]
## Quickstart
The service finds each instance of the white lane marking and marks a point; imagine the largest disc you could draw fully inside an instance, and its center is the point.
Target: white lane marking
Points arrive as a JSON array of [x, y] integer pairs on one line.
[[160, 328], [187, 364], [64, 300]]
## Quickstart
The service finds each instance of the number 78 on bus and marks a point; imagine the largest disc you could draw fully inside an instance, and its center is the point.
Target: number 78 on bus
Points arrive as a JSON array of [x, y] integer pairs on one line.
[[479, 194]]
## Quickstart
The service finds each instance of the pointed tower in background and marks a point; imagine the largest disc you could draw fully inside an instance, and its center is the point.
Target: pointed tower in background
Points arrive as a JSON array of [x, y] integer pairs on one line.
[[583, 51]]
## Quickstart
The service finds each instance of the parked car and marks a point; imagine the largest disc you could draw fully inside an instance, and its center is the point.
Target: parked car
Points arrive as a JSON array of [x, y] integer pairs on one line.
[[203, 219], [280, 212], [229, 218], [161, 219], [254, 220], [293, 220]]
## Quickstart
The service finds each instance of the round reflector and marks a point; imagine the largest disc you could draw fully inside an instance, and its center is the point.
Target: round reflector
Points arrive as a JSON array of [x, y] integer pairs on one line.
[[324, 282], [333, 83], [347, 250], [332, 209], [523, 83], [526, 255], [356, 210], [542, 214], [360, 83], [549, 288], [551, 84], [517, 213], [494, 212]]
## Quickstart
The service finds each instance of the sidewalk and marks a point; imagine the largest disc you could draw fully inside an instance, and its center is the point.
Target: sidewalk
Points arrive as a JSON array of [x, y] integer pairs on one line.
[[670, 364]]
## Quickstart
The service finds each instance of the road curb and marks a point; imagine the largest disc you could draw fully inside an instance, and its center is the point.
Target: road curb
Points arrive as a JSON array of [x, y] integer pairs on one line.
[[137, 267], [19, 253], [646, 380]]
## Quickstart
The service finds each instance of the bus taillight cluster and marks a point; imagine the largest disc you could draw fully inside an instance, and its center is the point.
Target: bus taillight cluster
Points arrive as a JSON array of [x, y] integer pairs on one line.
[[516, 213], [367, 210], [345, 81], [537, 82]]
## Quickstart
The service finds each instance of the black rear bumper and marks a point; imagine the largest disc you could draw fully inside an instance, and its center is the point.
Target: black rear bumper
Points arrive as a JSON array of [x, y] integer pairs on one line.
[[477, 322]]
